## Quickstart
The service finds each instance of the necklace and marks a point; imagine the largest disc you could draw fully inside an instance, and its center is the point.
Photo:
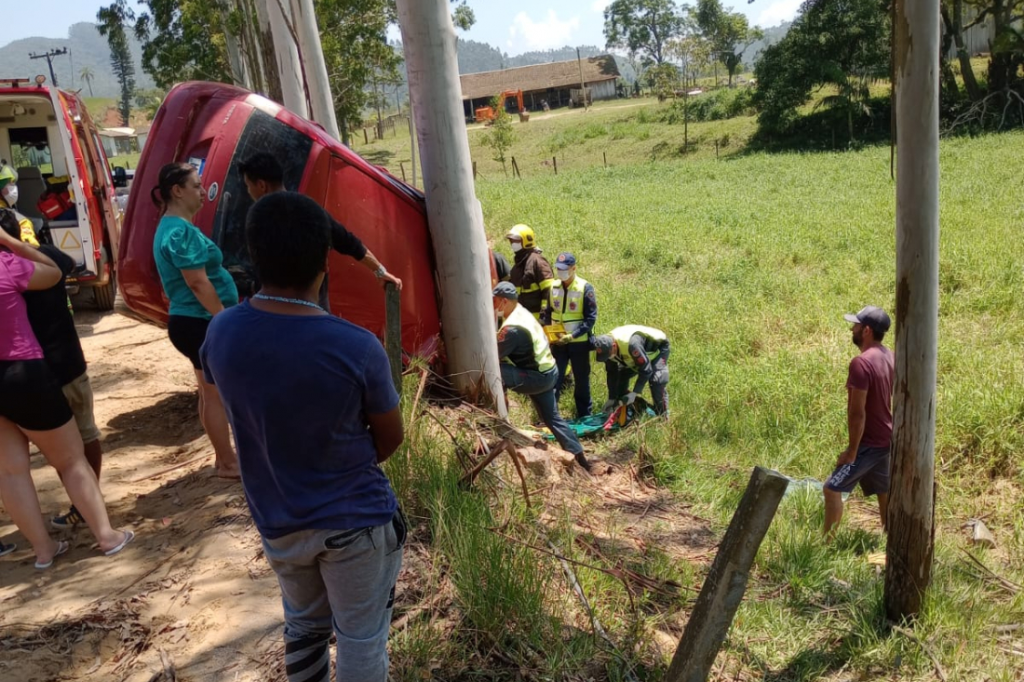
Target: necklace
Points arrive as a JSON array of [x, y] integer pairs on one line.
[[294, 301]]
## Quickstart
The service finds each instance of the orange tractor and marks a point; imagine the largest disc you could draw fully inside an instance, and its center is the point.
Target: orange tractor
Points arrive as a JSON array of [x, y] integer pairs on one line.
[[486, 114]]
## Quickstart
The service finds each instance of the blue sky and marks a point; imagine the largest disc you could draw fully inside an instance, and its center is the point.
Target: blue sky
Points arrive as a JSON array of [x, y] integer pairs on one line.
[[514, 27]]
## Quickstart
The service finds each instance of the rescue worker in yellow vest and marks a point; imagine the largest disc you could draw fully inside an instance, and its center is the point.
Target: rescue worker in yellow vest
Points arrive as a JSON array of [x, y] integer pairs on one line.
[[531, 273], [8, 199], [634, 350], [527, 366], [574, 306]]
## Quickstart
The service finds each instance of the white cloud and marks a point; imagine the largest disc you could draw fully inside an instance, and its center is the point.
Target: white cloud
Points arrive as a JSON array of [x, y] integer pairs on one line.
[[599, 5], [526, 34], [778, 12]]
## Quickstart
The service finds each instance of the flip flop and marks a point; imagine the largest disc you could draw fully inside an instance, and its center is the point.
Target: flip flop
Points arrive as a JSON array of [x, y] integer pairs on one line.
[[7, 549], [128, 537], [62, 547]]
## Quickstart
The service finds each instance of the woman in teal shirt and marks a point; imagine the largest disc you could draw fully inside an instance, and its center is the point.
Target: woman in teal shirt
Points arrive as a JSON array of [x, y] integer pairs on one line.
[[198, 287]]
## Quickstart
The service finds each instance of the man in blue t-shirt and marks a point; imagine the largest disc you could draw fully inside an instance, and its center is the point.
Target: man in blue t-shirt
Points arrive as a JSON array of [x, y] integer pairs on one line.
[[314, 411]]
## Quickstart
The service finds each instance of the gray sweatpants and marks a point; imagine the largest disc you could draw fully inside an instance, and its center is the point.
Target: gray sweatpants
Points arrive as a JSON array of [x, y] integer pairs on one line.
[[340, 580]]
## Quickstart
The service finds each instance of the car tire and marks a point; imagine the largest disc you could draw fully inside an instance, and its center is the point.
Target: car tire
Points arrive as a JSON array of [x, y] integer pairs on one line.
[[103, 296]]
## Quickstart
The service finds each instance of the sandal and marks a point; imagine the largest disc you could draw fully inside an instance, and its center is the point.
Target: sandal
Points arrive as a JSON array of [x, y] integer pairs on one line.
[[62, 547], [7, 549], [128, 537]]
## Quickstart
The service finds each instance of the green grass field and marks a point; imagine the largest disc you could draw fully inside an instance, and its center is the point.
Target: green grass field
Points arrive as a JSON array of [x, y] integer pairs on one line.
[[748, 262]]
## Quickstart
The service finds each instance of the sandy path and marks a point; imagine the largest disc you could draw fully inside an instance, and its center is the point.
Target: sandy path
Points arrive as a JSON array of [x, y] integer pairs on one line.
[[196, 554]]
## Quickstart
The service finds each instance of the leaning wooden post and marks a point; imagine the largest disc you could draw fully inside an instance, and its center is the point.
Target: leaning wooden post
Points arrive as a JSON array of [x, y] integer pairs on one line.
[[393, 332], [726, 582], [911, 523]]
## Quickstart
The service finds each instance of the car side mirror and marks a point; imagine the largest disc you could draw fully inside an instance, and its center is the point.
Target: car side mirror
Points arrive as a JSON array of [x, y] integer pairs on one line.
[[120, 176]]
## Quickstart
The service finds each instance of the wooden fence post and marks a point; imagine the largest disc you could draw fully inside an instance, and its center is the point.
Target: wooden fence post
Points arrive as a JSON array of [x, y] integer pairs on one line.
[[605, 155], [554, 160], [401, 165], [366, 138], [393, 332], [474, 170], [726, 582]]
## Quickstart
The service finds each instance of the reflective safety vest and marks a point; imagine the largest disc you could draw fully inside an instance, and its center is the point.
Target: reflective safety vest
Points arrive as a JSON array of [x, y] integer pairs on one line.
[[622, 335], [567, 306], [521, 317]]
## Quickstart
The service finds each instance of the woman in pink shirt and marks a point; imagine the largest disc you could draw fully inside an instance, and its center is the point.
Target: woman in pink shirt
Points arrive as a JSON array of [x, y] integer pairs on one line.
[[33, 408]]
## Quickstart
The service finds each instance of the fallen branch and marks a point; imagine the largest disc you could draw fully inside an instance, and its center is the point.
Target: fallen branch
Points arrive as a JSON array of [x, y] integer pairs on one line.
[[595, 623], [927, 649], [990, 576], [511, 450], [495, 451]]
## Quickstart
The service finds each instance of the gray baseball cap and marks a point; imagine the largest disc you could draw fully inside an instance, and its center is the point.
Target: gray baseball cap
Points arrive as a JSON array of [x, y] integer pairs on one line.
[[603, 347], [870, 316], [506, 290]]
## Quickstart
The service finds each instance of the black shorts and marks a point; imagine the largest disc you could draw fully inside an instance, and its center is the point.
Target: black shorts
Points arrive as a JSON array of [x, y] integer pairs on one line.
[[870, 469], [31, 397], [187, 336]]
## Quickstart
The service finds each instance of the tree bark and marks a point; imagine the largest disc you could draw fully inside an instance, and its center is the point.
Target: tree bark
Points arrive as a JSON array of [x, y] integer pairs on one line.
[[286, 51], [315, 68], [453, 211], [267, 51], [910, 544], [949, 83], [966, 70]]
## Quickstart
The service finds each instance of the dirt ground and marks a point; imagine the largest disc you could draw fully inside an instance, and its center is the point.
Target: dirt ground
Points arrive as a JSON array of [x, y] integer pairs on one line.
[[193, 591]]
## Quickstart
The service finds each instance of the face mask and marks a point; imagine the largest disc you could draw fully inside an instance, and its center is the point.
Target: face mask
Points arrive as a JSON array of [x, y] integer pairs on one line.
[[564, 275], [516, 247], [11, 194]]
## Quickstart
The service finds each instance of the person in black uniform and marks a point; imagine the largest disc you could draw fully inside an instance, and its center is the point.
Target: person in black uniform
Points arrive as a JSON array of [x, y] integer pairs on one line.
[[263, 174]]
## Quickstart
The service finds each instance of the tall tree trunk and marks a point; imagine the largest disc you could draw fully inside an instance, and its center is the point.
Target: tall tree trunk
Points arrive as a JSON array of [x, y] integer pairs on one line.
[[453, 211], [911, 520], [289, 63], [315, 68], [966, 70], [949, 83], [268, 54], [232, 45], [252, 53]]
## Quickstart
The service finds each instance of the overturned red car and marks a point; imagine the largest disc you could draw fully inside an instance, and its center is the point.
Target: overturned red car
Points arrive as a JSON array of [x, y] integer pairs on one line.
[[214, 126]]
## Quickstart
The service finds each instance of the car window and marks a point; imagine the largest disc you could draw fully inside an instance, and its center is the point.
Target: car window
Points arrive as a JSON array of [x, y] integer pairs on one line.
[[262, 133]]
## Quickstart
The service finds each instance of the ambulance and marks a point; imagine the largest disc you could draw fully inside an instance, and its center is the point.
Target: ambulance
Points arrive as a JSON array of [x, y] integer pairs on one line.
[[64, 183]]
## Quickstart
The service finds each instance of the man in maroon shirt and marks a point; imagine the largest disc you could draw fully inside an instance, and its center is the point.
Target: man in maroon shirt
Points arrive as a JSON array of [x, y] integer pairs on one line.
[[869, 419]]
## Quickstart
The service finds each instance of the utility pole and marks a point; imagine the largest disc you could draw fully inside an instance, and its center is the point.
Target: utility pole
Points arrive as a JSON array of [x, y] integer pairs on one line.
[[583, 83], [286, 53], [48, 56], [911, 520], [453, 211], [312, 54]]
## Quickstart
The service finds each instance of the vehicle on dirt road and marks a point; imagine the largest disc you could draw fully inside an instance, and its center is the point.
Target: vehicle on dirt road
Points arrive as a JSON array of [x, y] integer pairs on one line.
[[64, 181], [214, 126]]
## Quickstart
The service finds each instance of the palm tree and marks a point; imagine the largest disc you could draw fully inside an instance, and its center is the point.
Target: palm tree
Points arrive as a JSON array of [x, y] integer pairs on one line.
[[851, 97], [87, 74]]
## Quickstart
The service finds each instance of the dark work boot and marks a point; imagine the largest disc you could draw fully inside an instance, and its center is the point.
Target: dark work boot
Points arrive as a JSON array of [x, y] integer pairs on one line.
[[581, 459]]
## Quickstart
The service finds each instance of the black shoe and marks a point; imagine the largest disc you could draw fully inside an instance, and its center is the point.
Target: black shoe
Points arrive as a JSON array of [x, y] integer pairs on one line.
[[69, 520], [581, 459]]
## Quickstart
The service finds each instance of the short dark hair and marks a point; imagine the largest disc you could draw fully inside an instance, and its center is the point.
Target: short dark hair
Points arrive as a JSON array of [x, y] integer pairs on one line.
[[289, 236], [9, 223], [877, 334], [262, 166]]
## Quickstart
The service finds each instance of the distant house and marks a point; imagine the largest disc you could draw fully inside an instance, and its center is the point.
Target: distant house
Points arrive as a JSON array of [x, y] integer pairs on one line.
[[548, 82]]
